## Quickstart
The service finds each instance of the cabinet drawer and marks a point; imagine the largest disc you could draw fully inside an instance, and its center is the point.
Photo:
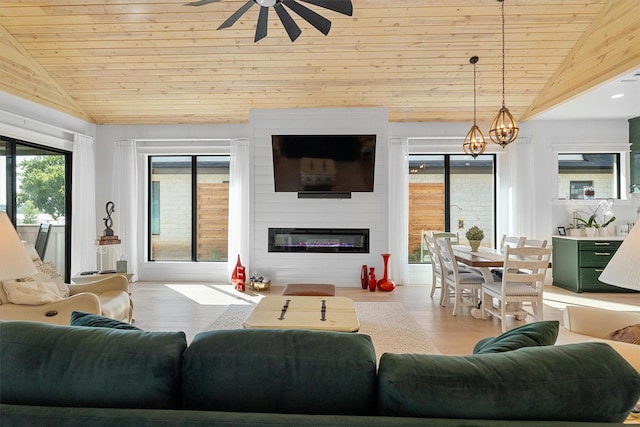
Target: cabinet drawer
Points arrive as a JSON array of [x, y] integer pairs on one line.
[[597, 258], [596, 245], [589, 282]]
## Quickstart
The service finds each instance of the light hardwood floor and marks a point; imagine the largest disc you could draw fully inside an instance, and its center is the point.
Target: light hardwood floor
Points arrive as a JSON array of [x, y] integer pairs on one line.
[[191, 307]]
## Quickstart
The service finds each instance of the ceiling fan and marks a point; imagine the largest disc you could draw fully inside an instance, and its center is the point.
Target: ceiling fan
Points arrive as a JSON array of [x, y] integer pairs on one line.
[[321, 23]]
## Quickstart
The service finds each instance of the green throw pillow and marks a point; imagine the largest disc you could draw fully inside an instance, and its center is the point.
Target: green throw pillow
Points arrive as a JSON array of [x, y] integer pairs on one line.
[[529, 335], [79, 318]]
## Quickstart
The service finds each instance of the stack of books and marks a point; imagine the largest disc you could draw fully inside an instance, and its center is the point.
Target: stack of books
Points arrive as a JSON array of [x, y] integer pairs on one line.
[[108, 240]]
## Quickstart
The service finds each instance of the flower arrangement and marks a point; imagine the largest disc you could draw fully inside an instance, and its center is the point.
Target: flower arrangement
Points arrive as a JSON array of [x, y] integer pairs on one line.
[[593, 221], [474, 233]]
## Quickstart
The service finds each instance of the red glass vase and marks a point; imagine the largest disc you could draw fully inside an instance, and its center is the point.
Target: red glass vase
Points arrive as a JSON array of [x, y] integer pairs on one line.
[[364, 277], [372, 279], [386, 284]]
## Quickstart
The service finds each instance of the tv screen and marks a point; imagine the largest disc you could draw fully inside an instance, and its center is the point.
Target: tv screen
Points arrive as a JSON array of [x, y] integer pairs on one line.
[[323, 163]]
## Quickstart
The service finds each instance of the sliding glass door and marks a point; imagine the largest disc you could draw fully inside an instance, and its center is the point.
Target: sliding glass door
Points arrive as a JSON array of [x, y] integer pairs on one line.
[[449, 193], [188, 208], [35, 183]]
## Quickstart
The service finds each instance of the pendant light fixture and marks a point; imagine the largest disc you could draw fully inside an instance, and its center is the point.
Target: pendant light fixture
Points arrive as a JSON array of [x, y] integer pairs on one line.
[[474, 143], [504, 129]]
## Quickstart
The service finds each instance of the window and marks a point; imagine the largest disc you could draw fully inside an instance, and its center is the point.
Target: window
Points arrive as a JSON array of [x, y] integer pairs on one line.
[[589, 176], [450, 193], [34, 183], [188, 208]]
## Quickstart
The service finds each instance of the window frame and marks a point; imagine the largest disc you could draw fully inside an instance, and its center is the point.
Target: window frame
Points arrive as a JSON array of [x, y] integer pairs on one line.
[[150, 221], [447, 171], [11, 190]]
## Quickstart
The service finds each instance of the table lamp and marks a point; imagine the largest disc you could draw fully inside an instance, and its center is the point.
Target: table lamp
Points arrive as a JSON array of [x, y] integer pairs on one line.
[[15, 262], [623, 270]]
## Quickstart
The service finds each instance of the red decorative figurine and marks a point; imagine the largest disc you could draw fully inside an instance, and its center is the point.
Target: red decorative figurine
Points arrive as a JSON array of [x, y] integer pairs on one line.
[[238, 277]]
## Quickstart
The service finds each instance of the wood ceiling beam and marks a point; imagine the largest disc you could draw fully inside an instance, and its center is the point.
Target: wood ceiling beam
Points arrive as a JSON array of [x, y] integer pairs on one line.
[[609, 48]]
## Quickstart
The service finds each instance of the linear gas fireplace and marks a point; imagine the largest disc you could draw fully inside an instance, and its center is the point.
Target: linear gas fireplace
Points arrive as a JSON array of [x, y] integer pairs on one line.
[[327, 240]]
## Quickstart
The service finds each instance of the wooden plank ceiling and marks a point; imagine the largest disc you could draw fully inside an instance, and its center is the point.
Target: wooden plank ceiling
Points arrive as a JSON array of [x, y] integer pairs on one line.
[[159, 61]]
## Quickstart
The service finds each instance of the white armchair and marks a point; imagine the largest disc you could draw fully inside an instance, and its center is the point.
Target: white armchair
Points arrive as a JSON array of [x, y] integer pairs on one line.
[[583, 324], [108, 297]]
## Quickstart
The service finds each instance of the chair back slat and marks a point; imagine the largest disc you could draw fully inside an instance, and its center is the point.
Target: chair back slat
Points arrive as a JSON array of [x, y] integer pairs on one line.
[[453, 237], [511, 241], [526, 265]]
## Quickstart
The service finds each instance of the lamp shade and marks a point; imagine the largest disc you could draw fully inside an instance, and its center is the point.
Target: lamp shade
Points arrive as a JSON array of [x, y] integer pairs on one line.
[[623, 270], [15, 262]]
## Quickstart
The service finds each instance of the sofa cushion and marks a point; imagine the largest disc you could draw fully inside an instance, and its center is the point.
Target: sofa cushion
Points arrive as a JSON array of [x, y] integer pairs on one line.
[[575, 382], [31, 293], [79, 318], [283, 370], [52, 365], [529, 335]]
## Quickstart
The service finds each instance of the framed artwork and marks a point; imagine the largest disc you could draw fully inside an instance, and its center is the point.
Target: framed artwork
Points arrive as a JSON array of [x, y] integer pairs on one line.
[[562, 231]]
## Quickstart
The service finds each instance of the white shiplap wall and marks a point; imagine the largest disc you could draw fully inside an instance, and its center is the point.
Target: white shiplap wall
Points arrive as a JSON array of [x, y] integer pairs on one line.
[[271, 209]]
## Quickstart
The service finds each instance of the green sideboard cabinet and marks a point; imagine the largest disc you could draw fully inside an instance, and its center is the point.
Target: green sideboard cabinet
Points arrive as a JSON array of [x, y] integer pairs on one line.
[[578, 262]]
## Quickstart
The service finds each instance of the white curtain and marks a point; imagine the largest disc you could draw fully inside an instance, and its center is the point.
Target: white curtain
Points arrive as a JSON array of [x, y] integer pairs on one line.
[[521, 189], [83, 202], [239, 203], [125, 198], [398, 209]]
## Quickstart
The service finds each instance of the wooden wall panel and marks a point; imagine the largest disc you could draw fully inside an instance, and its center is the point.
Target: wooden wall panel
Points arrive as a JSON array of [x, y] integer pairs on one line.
[[426, 211]]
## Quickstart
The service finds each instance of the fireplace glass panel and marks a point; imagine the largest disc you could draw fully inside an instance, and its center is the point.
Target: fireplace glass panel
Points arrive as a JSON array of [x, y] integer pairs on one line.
[[327, 240]]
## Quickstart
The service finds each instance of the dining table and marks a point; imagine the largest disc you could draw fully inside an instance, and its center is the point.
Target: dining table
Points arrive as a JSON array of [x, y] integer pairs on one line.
[[484, 259]]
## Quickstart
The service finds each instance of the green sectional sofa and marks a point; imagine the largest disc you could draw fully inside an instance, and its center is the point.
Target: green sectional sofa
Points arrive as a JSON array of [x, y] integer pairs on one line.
[[54, 375]]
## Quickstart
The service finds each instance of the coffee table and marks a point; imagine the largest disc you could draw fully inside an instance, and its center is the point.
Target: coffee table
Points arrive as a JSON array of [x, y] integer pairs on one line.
[[304, 312]]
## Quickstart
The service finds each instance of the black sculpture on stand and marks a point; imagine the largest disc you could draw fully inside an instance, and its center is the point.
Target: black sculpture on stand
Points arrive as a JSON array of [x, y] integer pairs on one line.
[[108, 222], [108, 238]]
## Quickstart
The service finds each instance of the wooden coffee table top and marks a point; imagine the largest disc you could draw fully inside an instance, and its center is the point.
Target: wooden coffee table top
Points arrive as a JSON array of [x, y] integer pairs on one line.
[[304, 312]]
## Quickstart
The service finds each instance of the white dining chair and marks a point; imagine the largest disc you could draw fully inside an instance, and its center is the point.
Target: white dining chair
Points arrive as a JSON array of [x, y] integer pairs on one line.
[[511, 241], [464, 286], [436, 268], [522, 282], [507, 241], [534, 243], [453, 237]]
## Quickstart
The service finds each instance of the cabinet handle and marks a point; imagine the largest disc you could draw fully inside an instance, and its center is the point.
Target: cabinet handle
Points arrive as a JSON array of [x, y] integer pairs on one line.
[[599, 270], [603, 253], [602, 243]]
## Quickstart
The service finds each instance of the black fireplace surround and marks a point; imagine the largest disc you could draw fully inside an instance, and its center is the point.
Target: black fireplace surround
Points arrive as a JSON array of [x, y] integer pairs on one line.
[[319, 240]]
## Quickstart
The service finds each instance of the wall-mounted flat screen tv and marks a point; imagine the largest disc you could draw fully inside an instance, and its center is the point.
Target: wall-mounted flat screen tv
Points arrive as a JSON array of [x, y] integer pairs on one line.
[[323, 164]]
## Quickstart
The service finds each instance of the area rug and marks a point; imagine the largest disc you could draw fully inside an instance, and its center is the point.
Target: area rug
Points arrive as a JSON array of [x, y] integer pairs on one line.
[[390, 326]]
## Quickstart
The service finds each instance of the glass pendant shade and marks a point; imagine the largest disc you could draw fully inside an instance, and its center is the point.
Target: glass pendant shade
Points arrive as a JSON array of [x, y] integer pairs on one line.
[[504, 129], [474, 143]]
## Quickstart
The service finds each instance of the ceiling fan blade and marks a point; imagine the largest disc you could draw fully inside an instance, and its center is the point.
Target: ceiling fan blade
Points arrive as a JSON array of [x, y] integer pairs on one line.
[[289, 24], [261, 27], [201, 2], [341, 6], [238, 13], [321, 23]]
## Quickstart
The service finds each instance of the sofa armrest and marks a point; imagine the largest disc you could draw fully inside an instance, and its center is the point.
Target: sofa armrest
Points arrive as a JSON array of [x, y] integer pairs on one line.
[[112, 283], [58, 312], [597, 322]]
